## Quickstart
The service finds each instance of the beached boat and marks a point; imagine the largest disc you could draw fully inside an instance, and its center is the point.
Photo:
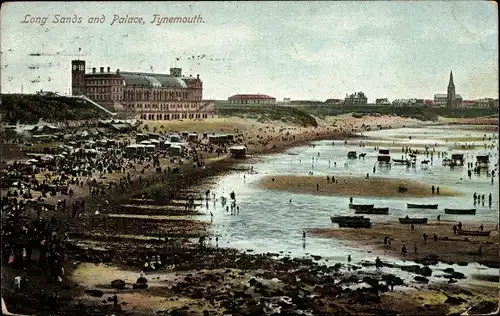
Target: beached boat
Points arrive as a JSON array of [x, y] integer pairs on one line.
[[404, 220], [425, 206], [351, 221], [462, 211], [347, 218], [375, 210], [473, 232], [360, 207]]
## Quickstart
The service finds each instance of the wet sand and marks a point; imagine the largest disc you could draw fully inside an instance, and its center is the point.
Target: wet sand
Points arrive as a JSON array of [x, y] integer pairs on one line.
[[351, 186], [455, 249]]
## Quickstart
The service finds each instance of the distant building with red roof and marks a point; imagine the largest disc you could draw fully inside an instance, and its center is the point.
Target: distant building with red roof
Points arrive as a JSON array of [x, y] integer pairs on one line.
[[251, 99]]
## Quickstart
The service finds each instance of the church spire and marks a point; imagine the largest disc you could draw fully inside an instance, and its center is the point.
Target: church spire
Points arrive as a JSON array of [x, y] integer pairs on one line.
[[451, 84]]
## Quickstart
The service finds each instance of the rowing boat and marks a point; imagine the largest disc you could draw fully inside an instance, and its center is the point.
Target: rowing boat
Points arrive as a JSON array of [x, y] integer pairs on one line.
[[473, 232], [360, 207], [423, 206], [463, 211], [375, 210]]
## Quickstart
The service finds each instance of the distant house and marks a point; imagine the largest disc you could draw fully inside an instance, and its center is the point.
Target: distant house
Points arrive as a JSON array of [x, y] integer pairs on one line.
[[382, 101], [251, 99], [356, 98]]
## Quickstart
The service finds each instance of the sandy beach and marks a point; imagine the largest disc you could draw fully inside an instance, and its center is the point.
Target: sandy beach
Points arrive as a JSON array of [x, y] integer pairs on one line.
[[128, 240], [351, 186], [448, 248]]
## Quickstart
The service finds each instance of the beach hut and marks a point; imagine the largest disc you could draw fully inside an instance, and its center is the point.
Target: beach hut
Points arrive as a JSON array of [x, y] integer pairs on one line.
[[131, 150], [150, 148], [238, 151], [175, 138], [383, 156], [457, 159], [175, 150], [140, 137], [482, 161], [193, 137], [141, 149]]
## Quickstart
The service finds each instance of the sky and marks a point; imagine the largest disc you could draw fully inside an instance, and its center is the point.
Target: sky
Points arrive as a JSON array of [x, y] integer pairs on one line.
[[299, 50]]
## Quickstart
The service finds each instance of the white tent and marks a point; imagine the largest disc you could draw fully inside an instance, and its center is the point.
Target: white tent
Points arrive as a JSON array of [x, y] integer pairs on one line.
[[145, 142]]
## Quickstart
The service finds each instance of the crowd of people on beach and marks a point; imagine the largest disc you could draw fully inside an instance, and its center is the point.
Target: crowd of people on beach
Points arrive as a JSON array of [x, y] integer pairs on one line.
[[42, 196]]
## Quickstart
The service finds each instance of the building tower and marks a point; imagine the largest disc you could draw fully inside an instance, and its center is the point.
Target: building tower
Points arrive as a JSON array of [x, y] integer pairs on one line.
[[450, 98], [77, 77]]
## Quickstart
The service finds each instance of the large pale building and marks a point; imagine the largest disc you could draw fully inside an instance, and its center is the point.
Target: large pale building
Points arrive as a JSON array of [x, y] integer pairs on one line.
[[147, 96]]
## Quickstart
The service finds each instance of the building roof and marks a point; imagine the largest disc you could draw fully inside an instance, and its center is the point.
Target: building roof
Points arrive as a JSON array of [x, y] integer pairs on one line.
[[250, 96], [151, 80], [444, 95]]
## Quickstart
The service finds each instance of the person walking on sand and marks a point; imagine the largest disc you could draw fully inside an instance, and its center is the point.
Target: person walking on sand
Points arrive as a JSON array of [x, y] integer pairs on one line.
[[435, 237], [403, 250], [481, 228], [115, 300], [415, 249], [350, 200], [412, 227], [433, 189], [455, 229], [349, 258], [317, 186], [304, 234], [425, 238], [439, 219], [385, 240], [437, 190], [460, 225]]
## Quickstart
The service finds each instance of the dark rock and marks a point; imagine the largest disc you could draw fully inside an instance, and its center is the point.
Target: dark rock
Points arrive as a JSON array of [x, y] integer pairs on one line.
[[118, 284], [141, 280], [483, 308], [373, 282], [454, 300], [425, 271], [316, 257], [421, 279], [351, 279], [95, 293], [392, 278], [494, 264], [252, 281], [140, 286], [458, 275], [462, 263], [449, 270], [428, 261]]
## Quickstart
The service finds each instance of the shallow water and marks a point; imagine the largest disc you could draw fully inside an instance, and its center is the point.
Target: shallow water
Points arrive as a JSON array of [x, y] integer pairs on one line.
[[267, 222]]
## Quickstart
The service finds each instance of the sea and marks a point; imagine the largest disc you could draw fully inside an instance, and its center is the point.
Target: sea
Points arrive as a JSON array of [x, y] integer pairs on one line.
[[267, 222]]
